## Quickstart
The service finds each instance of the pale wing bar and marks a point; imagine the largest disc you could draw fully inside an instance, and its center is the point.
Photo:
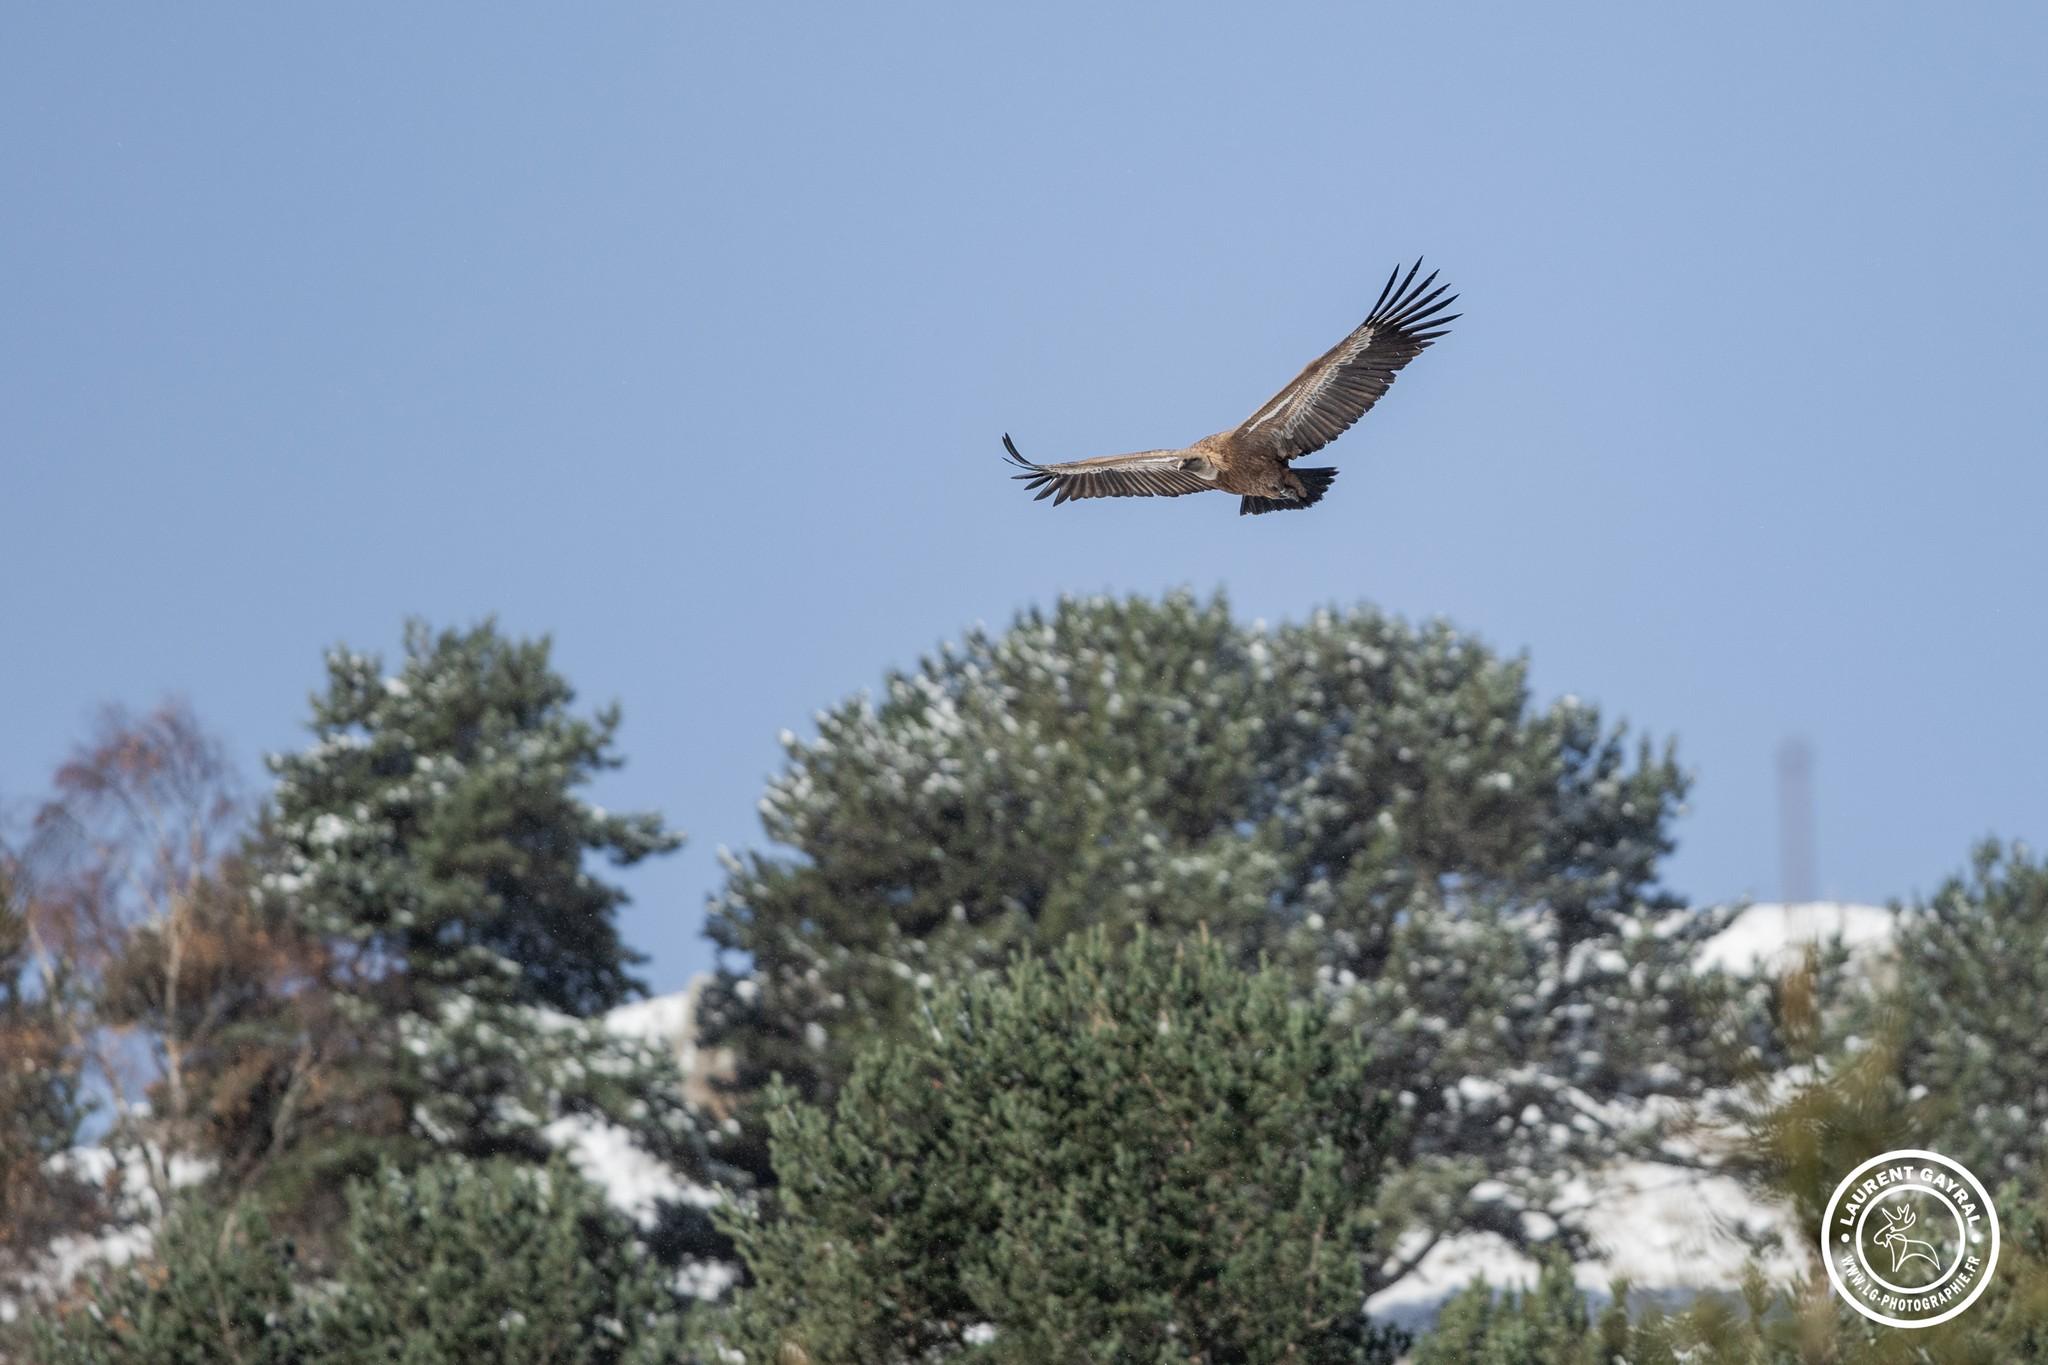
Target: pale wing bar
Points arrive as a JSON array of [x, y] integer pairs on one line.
[[1334, 392], [1114, 476]]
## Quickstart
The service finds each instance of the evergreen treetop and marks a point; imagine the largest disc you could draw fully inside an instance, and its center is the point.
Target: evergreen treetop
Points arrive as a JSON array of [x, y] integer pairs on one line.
[[1298, 790], [434, 840], [1117, 1153], [1469, 878], [1964, 1020], [435, 825], [455, 1262]]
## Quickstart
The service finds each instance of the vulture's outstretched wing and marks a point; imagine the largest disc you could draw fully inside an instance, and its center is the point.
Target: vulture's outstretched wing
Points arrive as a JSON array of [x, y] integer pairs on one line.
[[1327, 397], [1147, 474]]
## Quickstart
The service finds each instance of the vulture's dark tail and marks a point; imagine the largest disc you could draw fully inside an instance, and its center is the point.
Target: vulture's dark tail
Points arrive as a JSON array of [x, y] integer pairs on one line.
[[1316, 481]]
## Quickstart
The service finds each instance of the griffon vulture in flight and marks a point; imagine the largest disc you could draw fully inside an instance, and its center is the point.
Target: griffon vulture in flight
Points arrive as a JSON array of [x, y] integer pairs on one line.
[[1252, 459]]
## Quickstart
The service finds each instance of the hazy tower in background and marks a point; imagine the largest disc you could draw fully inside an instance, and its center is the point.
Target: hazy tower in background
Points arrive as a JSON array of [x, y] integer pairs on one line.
[[1795, 820]]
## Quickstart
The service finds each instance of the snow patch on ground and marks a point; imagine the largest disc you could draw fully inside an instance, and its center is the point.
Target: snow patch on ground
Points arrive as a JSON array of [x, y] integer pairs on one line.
[[1671, 1231], [130, 1235], [634, 1182], [670, 1019], [1771, 938]]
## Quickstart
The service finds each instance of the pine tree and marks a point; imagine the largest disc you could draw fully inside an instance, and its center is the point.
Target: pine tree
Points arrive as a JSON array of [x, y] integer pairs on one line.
[[1970, 959], [1136, 1153], [1380, 807], [1547, 1325], [455, 1262], [215, 1288], [432, 838], [434, 825], [463, 1261]]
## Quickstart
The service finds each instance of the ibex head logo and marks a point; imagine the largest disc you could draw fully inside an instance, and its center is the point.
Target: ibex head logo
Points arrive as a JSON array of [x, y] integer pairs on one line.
[[1892, 1236]]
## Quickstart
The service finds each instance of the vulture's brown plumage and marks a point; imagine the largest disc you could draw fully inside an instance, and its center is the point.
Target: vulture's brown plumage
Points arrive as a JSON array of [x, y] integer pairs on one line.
[[1251, 460]]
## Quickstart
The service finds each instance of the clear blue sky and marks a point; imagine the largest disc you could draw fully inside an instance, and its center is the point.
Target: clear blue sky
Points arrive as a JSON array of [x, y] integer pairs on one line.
[[687, 333]]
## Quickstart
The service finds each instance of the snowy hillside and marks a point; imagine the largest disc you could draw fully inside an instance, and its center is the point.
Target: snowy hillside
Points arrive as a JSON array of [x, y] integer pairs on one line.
[[68, 1256], [1770, 938], [636, 1183], [1669, 1229]]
